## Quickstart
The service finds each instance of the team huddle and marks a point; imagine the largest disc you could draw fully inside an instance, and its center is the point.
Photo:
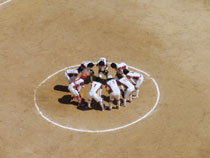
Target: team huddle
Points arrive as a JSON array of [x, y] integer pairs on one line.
[[128, 81]]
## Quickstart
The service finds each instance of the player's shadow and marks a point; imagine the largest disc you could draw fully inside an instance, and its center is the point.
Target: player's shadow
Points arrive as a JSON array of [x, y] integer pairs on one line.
[[61, 88], [68, 99], [94, 106], [105, 98], [88, 80]]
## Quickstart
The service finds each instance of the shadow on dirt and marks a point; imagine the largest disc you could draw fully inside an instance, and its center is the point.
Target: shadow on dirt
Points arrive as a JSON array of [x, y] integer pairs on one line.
[[68, 99], [61, 88]]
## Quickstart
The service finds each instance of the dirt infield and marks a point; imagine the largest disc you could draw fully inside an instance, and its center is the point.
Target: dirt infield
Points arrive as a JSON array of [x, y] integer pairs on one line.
[[168, 39]]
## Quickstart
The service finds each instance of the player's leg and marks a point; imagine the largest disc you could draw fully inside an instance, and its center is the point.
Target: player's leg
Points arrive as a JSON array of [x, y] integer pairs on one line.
[[91, 75], [90, 96], [138, 84], [130, 90], [99, 100], [67, 77], [117, 97], [111, 99], [128, 93], [75, 94]]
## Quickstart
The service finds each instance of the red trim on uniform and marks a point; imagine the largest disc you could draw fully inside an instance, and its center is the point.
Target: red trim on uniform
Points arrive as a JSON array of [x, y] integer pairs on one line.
[[72, 74], [125, 86], [120, 83], [77, 85], [136, 77], [129, 77]]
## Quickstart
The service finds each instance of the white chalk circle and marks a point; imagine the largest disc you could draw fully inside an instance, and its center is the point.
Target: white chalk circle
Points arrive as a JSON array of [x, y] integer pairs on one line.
[[5, 2], [97, 131]]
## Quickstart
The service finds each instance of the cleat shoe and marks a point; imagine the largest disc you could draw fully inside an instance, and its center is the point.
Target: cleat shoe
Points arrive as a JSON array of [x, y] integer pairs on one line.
[[134, 96]]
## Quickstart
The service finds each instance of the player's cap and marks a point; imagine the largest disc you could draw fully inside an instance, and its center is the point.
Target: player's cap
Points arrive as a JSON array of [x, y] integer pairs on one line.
[[80, 69], [90, 65], [82, 66], [83, 76], [101, 63], [113, 65]]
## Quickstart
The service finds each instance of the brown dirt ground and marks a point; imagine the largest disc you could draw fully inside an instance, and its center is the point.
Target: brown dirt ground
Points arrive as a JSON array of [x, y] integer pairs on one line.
[[168, 39]]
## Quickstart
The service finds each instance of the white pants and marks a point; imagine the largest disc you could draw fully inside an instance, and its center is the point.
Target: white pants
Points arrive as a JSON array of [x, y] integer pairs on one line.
[[139, 82], [73, 90], [95, 96], [68, 78], [115, 95], [128, 91]]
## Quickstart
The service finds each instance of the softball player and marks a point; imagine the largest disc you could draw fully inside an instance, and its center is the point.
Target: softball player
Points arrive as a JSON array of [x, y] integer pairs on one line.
[[128, 88], [119, 67], [102, 67], [71, 74], [113, 90], [135, 78], [96, 87], [76, 86], [87, 66]]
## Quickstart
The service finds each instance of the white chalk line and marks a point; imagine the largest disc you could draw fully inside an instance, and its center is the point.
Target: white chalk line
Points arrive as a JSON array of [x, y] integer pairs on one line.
[[96, 131], [5, 2]]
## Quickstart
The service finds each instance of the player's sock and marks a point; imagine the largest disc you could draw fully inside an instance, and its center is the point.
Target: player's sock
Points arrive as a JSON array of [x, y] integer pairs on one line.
[[130, 98], [110, 104], [89, 102], [137, 93], [102, 106]]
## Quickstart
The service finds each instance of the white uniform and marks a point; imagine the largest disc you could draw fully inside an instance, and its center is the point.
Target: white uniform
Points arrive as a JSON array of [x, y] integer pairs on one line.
[[136, 78], [114, 90], [71, 75], [128, 88], [121, 67], [93, 93], [102, 68], [76, 86]]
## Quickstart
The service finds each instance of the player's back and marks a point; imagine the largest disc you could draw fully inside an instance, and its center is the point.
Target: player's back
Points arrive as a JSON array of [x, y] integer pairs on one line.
[[72, 72], [125, 82], [122, 66], [112, 84], [95, 87], [133, 75]]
